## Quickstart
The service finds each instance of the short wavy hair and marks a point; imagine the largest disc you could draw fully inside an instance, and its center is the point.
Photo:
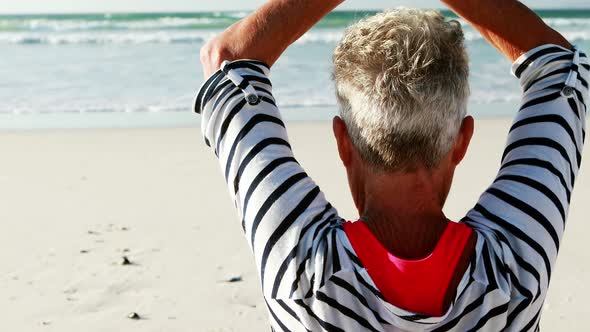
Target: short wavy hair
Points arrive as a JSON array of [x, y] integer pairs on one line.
[[402, 86]]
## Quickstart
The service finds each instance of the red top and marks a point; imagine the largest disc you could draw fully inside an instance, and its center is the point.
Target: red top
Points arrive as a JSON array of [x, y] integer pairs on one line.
[[418, 286]]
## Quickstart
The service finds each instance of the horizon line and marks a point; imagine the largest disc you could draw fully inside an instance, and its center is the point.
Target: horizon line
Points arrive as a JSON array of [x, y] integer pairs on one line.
[[234, 10]]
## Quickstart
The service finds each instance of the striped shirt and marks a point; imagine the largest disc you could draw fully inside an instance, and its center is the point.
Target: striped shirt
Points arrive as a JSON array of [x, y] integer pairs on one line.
[[311, 278]]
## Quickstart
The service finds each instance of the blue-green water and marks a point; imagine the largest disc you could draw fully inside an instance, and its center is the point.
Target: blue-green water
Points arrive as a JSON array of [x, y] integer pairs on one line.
[[126, 70]]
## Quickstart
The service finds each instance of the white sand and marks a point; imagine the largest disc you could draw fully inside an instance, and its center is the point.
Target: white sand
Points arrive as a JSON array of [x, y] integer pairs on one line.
[[159, 193]]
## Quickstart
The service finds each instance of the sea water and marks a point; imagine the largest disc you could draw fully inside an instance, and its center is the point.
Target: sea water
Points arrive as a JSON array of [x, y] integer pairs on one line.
[[136, 70]]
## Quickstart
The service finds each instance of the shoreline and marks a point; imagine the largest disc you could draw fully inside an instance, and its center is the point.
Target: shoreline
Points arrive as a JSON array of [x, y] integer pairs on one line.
[[187, 119]]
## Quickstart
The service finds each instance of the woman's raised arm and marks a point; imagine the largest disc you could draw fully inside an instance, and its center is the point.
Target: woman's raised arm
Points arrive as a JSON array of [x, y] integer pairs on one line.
[[266, 33], [509, 25]]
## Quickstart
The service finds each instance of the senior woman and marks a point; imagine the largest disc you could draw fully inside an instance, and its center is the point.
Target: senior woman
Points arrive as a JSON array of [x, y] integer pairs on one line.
[[402, 85]]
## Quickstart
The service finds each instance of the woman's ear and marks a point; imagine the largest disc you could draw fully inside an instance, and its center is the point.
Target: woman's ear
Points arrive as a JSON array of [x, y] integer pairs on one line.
[[463, 139], [342, 140]]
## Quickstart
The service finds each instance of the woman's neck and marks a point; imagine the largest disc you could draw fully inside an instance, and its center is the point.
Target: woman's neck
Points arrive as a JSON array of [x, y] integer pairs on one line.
[[410, 237], [405, 213]]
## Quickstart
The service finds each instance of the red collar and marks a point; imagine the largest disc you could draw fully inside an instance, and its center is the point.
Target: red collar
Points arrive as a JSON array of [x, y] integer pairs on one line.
[[418, 286]]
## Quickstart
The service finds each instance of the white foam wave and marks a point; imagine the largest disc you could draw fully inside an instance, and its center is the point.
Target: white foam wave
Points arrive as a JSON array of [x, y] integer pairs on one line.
[[174, 22], [571, 35], [239, 15], [321, 36], [162, 23], [198, 36], [567, 22], [159, 37], [143, 37], [92, 110]]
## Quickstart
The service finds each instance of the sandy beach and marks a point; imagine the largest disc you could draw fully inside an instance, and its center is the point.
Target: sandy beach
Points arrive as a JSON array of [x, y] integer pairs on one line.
[[74, 202]]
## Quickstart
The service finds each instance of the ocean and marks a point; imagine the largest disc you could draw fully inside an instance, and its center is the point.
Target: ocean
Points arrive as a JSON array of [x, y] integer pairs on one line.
[[142, 70]]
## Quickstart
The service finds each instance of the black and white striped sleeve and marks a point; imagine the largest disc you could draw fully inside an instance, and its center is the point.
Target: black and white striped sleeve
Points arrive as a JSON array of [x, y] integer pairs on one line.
[[283, 212], [525, 209]]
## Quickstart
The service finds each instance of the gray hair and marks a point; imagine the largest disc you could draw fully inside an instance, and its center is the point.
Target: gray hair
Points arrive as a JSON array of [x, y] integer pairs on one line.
[[402, 84]]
